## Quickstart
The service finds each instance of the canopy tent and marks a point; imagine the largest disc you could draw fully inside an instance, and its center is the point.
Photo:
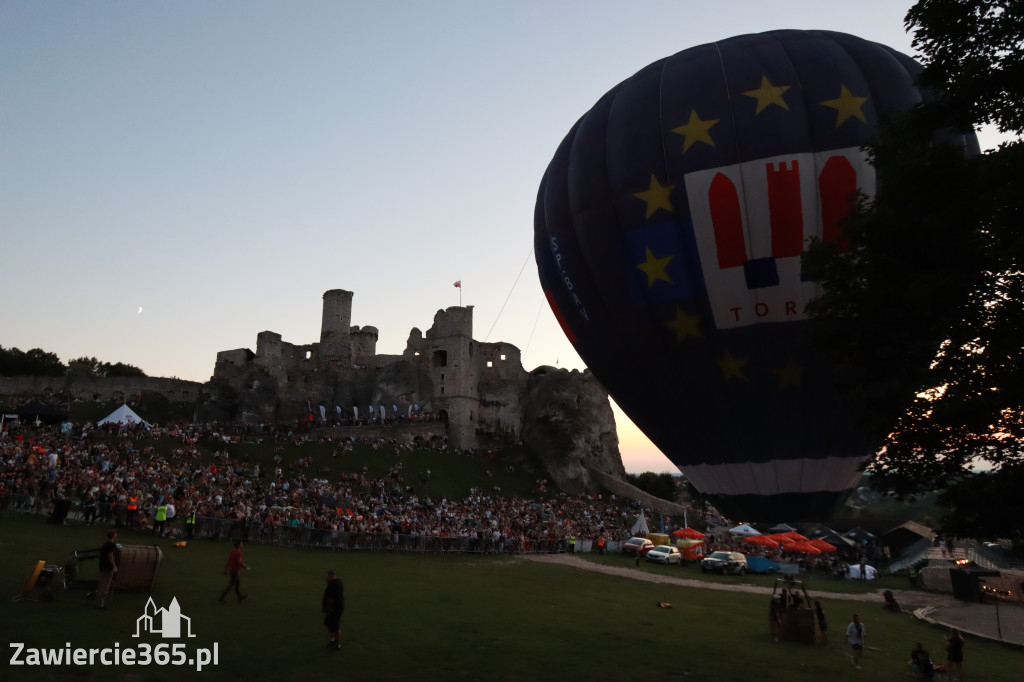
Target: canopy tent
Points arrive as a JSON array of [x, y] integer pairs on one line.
[[860, 535], [802, 548], [640, 527], [823, 532], [822, 545], [762, 540], [781, 528], [744, 529], [123, 415], [689, 533], [854, 573]]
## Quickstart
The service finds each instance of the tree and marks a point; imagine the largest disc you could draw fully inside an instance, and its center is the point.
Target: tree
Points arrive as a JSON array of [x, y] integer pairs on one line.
[[999, 514], [660, 485], [923, 310], [120, 369], [36, 362], [974, 52], [93, 367], [85, 365]]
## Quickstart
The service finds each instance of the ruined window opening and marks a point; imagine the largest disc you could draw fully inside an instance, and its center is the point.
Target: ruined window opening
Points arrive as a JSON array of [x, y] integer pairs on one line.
[[503, 357], [490, 364], [442, 389], [442, 376], [309, 354], [440, 358]]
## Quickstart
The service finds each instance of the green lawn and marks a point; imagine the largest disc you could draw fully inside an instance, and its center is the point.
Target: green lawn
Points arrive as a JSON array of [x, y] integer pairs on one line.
[[426, 617]]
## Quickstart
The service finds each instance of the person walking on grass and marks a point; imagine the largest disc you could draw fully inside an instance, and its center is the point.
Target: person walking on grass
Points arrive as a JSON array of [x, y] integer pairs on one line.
[[108, 568], [232, 569], [856, 635], [333, 605], [819, 615]]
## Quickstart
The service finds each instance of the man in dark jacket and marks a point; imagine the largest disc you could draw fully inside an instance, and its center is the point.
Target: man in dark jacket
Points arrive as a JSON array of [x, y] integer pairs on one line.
[[333, 604], [108, 567]]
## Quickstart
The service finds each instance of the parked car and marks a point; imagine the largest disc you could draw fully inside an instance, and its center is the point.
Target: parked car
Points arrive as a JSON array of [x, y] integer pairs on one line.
[[664, 554], [637, 546], [724, 563]]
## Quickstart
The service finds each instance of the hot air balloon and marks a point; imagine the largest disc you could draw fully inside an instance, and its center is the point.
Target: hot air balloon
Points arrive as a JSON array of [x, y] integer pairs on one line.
[[669, 228]]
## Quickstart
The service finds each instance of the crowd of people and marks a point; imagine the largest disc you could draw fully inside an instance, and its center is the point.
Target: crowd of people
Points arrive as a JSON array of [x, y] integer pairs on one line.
[[118, 480]]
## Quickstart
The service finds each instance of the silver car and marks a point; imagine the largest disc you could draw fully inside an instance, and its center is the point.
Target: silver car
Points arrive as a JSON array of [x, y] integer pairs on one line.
[[665, 554]]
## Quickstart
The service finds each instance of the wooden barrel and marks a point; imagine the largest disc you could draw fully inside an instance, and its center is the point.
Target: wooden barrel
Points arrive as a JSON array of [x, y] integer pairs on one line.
[[137, 567]]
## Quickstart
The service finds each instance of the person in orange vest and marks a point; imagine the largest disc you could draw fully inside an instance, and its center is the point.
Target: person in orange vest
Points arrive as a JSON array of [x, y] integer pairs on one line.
[[133, 509], [600, 544]]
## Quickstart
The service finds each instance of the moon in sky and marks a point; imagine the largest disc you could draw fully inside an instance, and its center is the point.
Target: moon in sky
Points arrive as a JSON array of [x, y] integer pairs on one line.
[[140, 310]]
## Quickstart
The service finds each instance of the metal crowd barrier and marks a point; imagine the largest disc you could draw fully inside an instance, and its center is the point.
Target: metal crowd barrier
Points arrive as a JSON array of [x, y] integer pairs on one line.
[[307, 538]]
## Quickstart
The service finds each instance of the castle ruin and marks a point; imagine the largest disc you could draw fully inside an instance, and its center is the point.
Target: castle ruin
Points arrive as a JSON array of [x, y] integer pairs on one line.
[[479, 391]]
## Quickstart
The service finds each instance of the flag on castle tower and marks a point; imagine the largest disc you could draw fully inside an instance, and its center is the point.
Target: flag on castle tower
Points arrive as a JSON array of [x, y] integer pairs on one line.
[[458, 285]]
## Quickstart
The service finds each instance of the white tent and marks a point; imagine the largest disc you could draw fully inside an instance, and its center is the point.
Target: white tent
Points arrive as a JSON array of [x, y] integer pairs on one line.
[[640, 527], [854, 573], [123, 415], [744, 529], [782, 528]]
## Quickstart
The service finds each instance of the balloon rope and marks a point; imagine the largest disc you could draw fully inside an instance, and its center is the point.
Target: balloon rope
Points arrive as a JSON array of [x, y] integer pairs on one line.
[[509, 295], [533, 329]]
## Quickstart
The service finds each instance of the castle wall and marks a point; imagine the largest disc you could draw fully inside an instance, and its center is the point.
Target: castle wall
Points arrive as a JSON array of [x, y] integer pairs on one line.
[[103, 389], [501, 360], [230, 359], [281, 359]]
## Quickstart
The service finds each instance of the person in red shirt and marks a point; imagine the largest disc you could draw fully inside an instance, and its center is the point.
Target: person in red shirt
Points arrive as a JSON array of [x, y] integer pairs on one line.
[[232, 569]]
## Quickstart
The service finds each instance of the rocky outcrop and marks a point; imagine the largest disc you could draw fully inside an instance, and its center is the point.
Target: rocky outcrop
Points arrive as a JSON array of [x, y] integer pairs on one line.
[[568, 422]]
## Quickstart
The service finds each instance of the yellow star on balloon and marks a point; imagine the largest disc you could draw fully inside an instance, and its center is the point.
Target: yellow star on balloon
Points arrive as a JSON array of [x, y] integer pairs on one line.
[[768, 94], [846, 105], [696, 130], [655, 268], [790, 375], [657, 196], [685, 325], [732, 366]]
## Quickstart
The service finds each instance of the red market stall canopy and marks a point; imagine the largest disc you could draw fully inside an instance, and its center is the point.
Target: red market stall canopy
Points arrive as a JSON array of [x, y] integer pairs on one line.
[[688, 533]]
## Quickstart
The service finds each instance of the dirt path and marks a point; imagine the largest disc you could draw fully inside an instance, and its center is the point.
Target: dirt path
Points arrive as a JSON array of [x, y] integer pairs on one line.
[[906, 598]]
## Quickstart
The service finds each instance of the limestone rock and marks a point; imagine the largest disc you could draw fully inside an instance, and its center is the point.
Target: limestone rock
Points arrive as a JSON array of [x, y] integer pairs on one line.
[[568, 422]]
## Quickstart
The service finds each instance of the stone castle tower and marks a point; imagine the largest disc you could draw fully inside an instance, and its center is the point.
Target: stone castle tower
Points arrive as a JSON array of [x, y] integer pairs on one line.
[[335, 329]]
